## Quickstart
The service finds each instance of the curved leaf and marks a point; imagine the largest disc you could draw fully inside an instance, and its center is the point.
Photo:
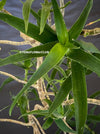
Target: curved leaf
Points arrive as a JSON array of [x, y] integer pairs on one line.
[[27, 54], [62, 94], [55, 55], [94, 118], [86, 59], [91, 23], [76, 29], [94, 95], [61, 30], [22, 104], [87, 46], [8, 80], [36, 112], [60, 123], [33, 30], [47, 123], [58, 68], [70, 112], [80, 95]]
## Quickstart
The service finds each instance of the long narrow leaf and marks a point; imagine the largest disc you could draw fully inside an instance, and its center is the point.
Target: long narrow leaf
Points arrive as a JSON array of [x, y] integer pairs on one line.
[[94, 118], [44, 15], [91, 23], [26, 12], [36, 112], [37, 17], [80, 95], [27, 54], [60, 123], [87, 46], [47, 123], [60, 70], [2, 4], [62, 94], [61, 30], [47, 27], [8, 80], [79, 24], [70, 112], [33, 30], [55, 55], [22, 104], [88, 60], [94, 95]]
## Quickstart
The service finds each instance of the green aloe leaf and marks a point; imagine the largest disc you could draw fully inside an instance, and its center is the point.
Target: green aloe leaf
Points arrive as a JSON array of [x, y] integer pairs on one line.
[[44, 14], [61, 30], [27, 54], [62, 94], [86, 59], [80, 95], [26, 12], [76, 29], [47, 123], [87, 46], [8, 80], [60, 123], [33, 30], [53, 58], [2, 4]]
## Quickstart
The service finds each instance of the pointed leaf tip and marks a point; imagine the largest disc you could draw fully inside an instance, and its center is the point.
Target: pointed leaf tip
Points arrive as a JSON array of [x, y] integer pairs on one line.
[[61, 30], [76, 29], [26, 12], [44, 15], [2, 4]]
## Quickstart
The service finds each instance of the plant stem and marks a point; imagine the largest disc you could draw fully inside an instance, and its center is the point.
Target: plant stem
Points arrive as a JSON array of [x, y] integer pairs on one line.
[[14, 43], [26, 74], [16, 122], [89, 101], [90, 32], [15, 78], [25, 124], [62, 5]]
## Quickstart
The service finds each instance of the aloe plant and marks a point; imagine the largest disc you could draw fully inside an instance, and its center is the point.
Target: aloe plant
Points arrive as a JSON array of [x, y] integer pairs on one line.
[[56, 47]]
